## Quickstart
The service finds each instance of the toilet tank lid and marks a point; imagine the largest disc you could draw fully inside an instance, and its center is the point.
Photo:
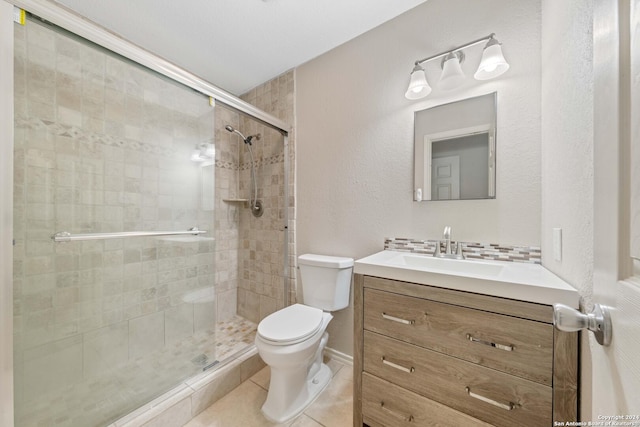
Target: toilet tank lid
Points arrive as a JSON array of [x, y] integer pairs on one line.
[[325, 261]]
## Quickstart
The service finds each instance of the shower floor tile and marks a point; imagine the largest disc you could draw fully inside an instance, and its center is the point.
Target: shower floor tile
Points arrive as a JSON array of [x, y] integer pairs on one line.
[[101, 399]]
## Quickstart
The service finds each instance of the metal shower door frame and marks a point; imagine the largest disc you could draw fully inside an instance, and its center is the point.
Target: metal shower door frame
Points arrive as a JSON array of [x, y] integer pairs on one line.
[[98, 35], [72, 22]]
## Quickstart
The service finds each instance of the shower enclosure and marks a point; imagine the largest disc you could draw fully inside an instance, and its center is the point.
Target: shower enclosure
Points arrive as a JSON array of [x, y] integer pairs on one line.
[[137, 264], [255, 243]]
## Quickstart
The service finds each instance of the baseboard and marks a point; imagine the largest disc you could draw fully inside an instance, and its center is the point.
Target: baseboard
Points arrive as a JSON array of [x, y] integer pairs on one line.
[[338, 356]]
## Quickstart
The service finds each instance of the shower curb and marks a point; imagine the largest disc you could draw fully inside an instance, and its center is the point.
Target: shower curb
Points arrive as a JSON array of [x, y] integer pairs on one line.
[[181, 404]]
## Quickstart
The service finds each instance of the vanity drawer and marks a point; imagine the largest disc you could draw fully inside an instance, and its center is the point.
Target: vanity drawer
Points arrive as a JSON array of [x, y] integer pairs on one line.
[[517, 346], [385, 404], [483, 393]]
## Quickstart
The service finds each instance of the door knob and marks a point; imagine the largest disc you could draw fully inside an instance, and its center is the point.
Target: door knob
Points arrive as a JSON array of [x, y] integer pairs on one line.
[[569, 319]]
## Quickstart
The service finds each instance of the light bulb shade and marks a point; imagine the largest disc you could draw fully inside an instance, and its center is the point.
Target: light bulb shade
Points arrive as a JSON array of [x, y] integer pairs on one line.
[[452, 75], [493, 63], [418, 85]]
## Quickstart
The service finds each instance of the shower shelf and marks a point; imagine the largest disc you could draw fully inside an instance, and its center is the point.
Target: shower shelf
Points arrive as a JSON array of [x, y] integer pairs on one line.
[[235, 200]]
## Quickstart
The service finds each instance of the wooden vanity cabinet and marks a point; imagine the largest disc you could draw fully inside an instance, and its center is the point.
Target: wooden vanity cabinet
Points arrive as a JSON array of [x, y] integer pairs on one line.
[[433, 356]]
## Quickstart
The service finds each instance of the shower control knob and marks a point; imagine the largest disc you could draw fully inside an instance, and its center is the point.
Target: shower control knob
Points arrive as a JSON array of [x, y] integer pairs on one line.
[[257, 209]]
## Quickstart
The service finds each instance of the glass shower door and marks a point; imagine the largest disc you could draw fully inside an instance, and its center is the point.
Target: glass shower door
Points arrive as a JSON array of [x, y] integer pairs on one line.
[[103, 145]]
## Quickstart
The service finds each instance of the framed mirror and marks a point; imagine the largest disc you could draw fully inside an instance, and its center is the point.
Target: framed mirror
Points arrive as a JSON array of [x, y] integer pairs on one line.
[[455, 150]]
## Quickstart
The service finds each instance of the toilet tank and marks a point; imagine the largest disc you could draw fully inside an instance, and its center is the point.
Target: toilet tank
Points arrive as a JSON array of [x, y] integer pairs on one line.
[[326, 281]]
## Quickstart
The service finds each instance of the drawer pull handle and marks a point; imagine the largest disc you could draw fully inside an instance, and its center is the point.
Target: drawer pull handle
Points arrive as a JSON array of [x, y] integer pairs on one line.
[[508, 406], [398, 319], [400, 367], [407, 418], [504, 347]]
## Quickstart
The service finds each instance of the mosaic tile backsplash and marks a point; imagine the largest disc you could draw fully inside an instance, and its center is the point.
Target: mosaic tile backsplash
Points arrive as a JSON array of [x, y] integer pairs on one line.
[[470, 250]]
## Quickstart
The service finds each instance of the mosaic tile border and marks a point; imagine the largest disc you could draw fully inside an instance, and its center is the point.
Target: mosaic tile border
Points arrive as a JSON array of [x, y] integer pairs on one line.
[[471, 250], [221, 164], [85, 136], [278, 158]]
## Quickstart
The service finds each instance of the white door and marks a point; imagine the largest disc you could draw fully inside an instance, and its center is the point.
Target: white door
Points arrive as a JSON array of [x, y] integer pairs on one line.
[[445, 178], [615, 370]]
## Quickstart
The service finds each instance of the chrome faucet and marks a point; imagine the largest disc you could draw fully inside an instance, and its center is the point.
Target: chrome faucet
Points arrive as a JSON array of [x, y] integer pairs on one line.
[[447, 246], [447, 240]]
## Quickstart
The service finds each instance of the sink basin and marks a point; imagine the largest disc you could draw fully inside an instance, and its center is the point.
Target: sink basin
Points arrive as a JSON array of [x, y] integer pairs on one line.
[[452, 266], [455, 266], [514, 280]]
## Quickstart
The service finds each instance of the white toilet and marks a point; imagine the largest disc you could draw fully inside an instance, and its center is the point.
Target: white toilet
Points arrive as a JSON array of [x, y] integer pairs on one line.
[[291, 340]]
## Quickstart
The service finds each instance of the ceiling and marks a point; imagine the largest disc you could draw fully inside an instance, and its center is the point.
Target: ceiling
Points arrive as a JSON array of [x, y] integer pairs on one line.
[[239, 44]]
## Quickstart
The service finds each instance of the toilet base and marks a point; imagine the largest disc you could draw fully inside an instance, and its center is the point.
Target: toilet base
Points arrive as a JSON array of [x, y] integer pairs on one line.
[[314, 386]]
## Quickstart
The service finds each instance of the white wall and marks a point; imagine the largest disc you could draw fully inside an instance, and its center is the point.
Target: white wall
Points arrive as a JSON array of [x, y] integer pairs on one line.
[[567, 150], [355, 135], [567, 138]]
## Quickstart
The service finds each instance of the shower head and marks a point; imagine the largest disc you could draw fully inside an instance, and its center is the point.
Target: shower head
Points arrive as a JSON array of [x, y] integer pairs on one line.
[[246, 139], [233, 130]]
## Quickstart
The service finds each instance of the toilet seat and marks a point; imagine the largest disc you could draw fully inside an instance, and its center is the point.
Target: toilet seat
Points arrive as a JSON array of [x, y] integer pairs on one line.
[[290, 325]]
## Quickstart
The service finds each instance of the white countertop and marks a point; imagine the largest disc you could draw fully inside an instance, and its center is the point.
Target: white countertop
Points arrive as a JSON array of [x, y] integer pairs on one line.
[[514, 280]]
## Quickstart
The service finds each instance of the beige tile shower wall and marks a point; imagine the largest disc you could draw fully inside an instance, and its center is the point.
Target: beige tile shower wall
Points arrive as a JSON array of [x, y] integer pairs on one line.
[[261, 279], [102, 146], [227, 219]]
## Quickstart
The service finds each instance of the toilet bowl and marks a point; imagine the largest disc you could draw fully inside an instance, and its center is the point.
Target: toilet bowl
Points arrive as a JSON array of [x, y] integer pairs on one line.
[[295, 360], [292, 340]]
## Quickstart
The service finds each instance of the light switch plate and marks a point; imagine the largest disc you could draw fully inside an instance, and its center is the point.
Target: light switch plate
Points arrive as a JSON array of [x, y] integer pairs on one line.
[[557, 244]]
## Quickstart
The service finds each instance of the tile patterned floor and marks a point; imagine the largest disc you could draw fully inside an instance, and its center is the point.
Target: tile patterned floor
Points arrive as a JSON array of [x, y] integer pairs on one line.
[[241, 407]]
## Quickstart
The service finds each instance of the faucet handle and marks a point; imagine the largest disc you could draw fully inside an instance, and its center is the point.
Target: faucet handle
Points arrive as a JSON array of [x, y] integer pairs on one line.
[[459, 249], [436, 253]]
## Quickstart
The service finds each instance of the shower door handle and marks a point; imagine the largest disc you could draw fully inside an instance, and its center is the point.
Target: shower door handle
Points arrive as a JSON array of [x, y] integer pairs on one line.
[[64, 236]]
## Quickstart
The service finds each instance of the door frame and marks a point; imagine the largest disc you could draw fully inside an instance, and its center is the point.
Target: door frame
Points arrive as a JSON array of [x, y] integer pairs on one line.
[[430, 138]]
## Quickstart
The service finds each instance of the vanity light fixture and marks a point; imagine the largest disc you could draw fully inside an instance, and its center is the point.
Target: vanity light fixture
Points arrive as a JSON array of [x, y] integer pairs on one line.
[[418, 86], [452, 75], [492, 65]]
